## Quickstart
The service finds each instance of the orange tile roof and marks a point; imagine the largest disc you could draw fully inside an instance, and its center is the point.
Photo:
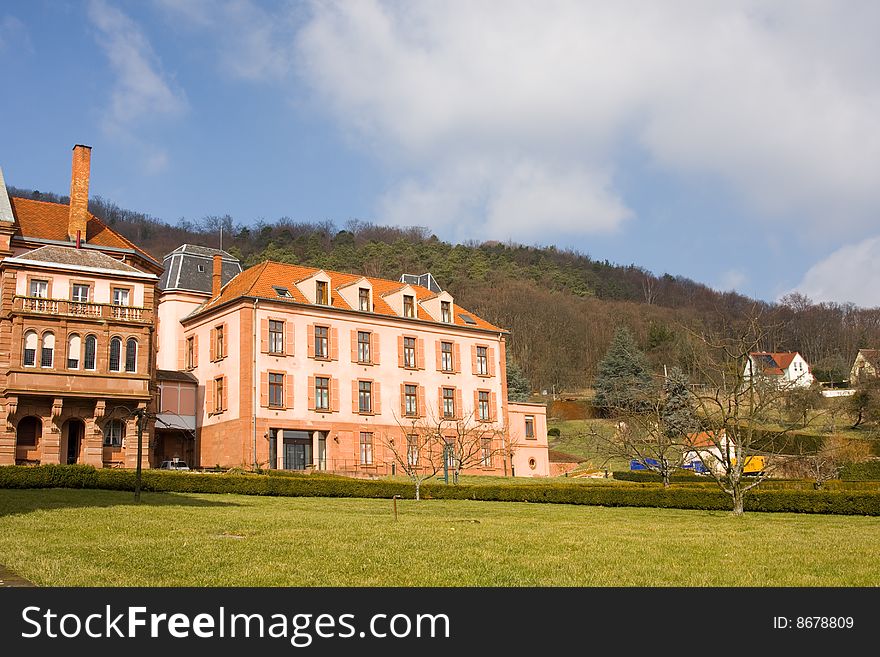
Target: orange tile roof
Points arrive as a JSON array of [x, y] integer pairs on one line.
[[782, 359], [258, 281], [48, 221]]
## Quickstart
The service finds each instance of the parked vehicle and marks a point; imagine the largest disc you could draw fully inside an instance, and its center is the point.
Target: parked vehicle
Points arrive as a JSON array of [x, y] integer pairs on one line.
[[176, 464]]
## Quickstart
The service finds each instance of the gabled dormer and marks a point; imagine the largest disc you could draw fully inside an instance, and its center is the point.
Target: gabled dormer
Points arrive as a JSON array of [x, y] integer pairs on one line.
[[316, 288], [403, 301], [358, 295], [440, 307]]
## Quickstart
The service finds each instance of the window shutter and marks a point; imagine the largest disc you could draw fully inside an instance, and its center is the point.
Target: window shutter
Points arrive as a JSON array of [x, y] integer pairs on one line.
[[311, 345], [477, 405], [377, 398], [289, 338], [213, 345], [334, 344], [209, 397], [264, 388], [225, 394], [490, 356], [400, 361], [264, 335], [334, 395], [354, 396], [196, 350], [374, 348], [402, 400], [437, 349], [456, 357], [421, 410], [459, 410], [474, 369], [493, 406], [420, 353], [225, 339], [311, 393], [354, 345], [181, 354], [288, 390], [440, 402]]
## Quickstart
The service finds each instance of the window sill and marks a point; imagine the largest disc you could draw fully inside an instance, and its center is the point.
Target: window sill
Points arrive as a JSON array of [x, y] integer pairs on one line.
[[325, 359], [365, 362], [367, 413], [485, 376]]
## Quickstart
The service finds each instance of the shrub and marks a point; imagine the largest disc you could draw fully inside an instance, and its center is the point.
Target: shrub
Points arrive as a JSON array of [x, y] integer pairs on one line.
[[553, 432], [866, 471], [646, 476], [681, 496]]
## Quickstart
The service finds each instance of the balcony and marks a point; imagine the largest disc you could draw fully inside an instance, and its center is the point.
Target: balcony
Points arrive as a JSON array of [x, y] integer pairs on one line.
[[80, 309]]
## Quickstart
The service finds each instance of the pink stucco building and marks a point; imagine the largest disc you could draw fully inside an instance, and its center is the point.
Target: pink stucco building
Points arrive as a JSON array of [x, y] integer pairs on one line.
[[293, 367]]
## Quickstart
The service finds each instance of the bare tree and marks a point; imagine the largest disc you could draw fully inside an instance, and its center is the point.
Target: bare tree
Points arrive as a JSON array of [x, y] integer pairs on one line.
[[416, 449], [734, 406]]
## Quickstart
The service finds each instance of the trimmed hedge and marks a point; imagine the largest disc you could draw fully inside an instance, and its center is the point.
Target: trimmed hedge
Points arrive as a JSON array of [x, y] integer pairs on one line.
[[867, 471], [683, 497], [648, 477]]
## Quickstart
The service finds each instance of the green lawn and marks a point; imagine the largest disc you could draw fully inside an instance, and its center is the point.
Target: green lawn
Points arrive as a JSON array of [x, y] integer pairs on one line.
[[83, 537]]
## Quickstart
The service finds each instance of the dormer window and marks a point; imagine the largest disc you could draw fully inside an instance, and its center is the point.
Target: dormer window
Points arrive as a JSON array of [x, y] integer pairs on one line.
[[364, 299], [201, 269], [281, 291], [446, 312], [321, 296], [409, 306]]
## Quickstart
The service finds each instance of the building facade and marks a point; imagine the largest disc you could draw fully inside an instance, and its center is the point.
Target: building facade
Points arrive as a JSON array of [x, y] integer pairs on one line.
[[77, 347], [300, 368], [786, 369], [277, 366]]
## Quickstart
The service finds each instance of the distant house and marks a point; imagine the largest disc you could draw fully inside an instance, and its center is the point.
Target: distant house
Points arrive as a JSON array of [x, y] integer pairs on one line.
[[787, 369], [866, 366], [706, 451]]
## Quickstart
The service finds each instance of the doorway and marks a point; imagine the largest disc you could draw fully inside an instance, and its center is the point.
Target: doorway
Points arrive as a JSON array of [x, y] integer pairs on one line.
[[75, 432]]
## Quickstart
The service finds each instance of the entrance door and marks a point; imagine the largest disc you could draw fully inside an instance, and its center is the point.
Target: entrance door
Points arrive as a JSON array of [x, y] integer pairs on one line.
[[297, 450], [75, 432]]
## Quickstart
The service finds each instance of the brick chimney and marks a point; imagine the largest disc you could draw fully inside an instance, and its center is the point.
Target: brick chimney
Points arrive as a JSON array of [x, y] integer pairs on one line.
[[79, 193], [217, 276]]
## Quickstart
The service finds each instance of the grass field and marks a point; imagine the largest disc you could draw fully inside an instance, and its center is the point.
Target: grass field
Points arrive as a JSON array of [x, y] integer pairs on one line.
[[100, 538]]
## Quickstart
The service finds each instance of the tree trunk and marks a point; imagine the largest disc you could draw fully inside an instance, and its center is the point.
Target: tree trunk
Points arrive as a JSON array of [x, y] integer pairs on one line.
[[418, 491], [666, 476], [738, 501]]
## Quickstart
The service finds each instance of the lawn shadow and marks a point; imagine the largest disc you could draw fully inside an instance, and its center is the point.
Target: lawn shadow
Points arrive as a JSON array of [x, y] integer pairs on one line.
[[21, 501]]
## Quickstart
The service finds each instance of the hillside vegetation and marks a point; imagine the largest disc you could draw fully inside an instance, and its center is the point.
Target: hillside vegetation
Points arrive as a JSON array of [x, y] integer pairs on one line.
[[561, 306]]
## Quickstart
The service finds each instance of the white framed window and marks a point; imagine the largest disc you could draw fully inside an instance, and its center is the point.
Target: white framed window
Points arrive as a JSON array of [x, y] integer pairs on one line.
[[47, 353], [39, 289], [74, 345], [120, 296], [29, 357], [114, 433]]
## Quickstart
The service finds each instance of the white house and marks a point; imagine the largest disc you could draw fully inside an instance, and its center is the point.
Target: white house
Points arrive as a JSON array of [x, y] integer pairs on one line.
[[787, 369]]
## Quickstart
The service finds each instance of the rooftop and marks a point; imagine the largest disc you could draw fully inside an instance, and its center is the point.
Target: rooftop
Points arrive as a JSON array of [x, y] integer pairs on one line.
[[48, 221], [261, 281]]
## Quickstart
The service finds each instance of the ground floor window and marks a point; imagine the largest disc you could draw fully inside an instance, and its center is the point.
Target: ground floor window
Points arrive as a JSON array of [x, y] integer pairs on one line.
[[366, 448], [28, 432], [114, 432]]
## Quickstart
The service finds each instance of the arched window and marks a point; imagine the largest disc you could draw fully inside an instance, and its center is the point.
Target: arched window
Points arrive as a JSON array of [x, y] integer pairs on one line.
[[131, 353], [47, 353], [115, 354], [30, 349], [91, 351], [74, 343], [114, 433], [28, 432]]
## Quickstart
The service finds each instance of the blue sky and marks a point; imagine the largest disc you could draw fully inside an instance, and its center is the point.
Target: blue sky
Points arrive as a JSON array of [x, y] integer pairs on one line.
[[734, 143]]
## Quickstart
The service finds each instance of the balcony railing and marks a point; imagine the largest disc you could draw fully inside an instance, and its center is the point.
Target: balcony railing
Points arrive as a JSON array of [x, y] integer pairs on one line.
[[84, 309]]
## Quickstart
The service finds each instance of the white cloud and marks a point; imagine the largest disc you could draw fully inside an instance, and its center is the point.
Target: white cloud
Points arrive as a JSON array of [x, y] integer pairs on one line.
[[777, 101], [851, 273], [732, 280], [143, 91], [254, 43], [14, 34]]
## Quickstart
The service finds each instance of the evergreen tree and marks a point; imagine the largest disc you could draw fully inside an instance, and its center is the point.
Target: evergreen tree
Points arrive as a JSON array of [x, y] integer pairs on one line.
[[623, 382], [518, 386], [677, 413]]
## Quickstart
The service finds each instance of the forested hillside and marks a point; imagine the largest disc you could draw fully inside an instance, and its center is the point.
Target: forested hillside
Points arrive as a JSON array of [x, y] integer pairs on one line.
[[561, 306]]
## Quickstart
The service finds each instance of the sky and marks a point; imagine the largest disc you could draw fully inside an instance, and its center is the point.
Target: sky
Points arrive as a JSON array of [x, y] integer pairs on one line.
[[735, 143]]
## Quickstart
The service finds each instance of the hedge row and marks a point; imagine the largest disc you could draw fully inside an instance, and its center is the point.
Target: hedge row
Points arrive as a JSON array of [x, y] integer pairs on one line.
[[867, 471], [684, 497], [648, 477]]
